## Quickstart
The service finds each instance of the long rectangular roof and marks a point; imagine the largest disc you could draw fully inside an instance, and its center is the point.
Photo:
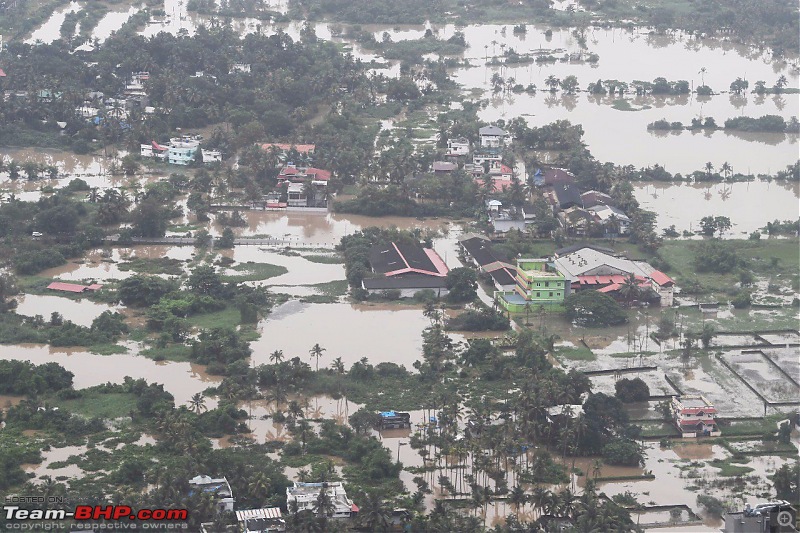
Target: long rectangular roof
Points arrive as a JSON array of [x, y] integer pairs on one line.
[[405, 281], [393, 259], [588, 261], [482, 251]]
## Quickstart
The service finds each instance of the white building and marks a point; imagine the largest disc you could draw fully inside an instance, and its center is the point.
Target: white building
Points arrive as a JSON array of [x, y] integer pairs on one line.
[[605, 214], [457, 147], [264, 520], [182, 150], [296, 195], [492, 137], [240, 67], [306, 495], [219, 487], [211, 156], [153, 150]]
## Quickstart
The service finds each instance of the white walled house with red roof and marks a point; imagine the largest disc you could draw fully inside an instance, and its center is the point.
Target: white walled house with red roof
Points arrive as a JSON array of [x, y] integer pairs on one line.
[[295, 174], [695, 416]]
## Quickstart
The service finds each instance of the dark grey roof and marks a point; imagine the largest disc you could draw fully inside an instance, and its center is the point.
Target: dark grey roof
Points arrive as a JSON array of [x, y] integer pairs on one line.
[[482, 251], [443, 166], [567, 195], [554, 176], [385, 258], [405, 281], [502, 276]]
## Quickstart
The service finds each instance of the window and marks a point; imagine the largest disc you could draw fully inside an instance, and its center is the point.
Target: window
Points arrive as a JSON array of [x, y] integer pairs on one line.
[[551, 295], [547, 284], [538, 294]]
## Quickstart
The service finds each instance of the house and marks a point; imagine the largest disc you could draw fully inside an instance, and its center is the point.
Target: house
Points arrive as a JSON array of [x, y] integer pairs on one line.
[[240, 67], [264, 520], [537, 283], [575, 221], [306, 495], [565, 195], [295, 174], [590, 268], [613, 220], [552, 176], [182, 150], [493, 206], [408, 268], [457, 147], [296, 195], [153, 150], [770, 517], [484, 159], [443, 167], [695, 416], [593, 198], [479, 251], [395, 420], [73, 287], [492, 137], [218, 487], [211, 156]]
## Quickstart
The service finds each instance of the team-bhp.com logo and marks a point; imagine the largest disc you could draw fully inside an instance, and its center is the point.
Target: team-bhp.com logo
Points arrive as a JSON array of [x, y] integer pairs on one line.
[[96, 512]]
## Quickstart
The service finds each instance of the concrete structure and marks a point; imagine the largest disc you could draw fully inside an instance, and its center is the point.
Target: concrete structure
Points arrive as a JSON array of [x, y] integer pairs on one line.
[[492, 137], [590, 268], [771, 517], [306, 495], [552, 176], [537, 283], [293, 173], [264, 520], [296, 195], [153, 150], [211, 156], [219, 487], [406, 267], [695, 416], [443, 167], [456, 147], [182, 150]]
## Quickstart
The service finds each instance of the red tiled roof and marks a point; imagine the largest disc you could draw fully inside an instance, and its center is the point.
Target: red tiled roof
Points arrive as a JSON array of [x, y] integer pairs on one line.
[[318, 174], [661, 278], [302, 148], [94, 287], [66, 287], [2, 73], [505, 169]]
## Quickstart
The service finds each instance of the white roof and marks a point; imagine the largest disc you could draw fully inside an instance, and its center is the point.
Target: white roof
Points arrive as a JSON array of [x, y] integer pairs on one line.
[[604, 212], [491, 130], [250, 514], [585, 260], [295, 187]]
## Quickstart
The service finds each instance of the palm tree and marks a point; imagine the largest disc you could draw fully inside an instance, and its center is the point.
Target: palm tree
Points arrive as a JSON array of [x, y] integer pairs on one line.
[[702, 73], [630, 289], [374, 514], [709, 169], [259, 486], [316, 352], [197, 404], [552, 82], [276, 357], [727, 169]]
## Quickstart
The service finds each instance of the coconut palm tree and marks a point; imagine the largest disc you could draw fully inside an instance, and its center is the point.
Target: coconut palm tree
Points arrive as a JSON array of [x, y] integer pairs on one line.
[[276, 357], [197, 404], [373, 513], [316, 352], [259, 486]]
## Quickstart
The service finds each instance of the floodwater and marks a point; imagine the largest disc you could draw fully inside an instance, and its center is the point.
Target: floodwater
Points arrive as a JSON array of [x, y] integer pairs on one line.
[[380, 333], [55, 455], [300, 270], [321, 229], [112, 22], [749, 205], [81, 312], [182, 380], [51, 29]]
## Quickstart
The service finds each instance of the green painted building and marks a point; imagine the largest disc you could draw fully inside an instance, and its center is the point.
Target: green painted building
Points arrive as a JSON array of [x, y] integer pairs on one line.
[[538, 283]]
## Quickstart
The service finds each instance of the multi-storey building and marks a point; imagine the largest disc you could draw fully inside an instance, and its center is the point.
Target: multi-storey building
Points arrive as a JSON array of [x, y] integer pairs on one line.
[[537, 283], [695, 416], [306, 496]]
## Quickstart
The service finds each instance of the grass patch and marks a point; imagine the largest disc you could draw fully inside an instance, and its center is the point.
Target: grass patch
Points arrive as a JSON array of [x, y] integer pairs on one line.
[[161, 265], [254, 272], [109, 405], [172, 352], [226, 318], [726, 469], [336, 287], [580, 353], [183, 228], [325, 259], [107, 349]]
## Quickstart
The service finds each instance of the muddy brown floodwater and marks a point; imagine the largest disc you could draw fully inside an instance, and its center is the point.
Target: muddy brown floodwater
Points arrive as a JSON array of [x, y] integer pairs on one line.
[[81, 312]]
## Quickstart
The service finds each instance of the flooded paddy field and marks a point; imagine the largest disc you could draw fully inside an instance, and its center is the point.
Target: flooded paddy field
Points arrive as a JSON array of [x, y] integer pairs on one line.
[[761, 373]]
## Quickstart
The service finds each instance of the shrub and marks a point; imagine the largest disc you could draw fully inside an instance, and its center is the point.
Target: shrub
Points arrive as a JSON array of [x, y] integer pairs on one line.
[[632, 390]]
